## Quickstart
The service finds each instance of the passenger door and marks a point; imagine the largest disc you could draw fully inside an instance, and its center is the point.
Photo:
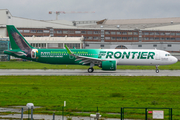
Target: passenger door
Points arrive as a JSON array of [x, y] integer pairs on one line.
[[157, 55]]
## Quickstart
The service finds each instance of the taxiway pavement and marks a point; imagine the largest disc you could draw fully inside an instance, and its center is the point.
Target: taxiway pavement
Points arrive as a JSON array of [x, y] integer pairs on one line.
[[78, 72]]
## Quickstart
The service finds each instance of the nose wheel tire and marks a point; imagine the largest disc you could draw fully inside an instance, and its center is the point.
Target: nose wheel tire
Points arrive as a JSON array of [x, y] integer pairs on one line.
[[90, 70], [157, 70]]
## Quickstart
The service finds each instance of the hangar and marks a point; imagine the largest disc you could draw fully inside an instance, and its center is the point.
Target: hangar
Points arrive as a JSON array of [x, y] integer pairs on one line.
[[151, 33]]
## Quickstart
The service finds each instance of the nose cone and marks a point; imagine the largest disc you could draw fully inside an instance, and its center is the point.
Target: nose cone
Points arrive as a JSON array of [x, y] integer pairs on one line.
[[174, 60]]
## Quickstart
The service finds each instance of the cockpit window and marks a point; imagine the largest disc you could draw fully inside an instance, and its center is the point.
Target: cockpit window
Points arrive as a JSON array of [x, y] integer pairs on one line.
[[167, 54]]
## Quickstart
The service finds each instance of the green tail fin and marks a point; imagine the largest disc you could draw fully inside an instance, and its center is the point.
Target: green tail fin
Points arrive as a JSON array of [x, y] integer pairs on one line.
[[17, 41]]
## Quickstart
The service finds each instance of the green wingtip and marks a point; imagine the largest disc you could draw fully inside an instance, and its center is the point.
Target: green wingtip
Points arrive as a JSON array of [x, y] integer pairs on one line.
[[68, 50]]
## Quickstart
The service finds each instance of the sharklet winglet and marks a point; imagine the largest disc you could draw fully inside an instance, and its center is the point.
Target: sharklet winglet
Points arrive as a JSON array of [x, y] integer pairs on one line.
[[69, 51]]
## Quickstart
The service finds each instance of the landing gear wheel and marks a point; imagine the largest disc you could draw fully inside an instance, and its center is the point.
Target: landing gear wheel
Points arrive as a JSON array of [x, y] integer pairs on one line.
[[157, 70], [90, 70]]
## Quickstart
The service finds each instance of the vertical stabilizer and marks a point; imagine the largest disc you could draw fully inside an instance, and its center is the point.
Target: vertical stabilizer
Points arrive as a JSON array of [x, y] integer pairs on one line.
[[17, 41]]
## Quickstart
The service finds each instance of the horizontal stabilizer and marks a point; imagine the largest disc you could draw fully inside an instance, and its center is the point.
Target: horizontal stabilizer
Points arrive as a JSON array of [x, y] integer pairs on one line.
[[18, 53]]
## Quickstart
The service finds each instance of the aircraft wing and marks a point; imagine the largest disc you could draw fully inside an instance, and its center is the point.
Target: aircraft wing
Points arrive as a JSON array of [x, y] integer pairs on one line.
[[84, 59]]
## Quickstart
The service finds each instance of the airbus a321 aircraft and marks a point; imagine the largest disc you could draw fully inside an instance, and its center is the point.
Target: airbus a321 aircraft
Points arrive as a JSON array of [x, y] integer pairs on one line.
[[107, 59]]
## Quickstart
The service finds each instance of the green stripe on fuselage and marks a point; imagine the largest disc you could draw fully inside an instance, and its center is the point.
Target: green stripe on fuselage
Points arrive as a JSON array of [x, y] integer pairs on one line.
[[61, 56]]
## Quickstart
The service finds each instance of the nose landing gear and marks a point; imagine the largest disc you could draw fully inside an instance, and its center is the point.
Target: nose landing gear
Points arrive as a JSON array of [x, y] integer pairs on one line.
[[157, 70]]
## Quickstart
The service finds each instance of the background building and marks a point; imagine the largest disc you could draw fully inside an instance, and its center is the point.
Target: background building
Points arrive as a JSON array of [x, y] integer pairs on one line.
[[4, 45], [159, 33]]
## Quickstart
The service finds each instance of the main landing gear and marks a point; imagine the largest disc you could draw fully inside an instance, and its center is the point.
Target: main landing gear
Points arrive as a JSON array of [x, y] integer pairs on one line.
[[91, 69], [157, 70]]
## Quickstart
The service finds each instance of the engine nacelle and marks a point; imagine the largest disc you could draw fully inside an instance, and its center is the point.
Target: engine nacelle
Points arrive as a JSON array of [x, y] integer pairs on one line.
[[109, 65]]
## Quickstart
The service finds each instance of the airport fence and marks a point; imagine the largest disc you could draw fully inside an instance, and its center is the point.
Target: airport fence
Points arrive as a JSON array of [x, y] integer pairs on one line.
[[102, 113]]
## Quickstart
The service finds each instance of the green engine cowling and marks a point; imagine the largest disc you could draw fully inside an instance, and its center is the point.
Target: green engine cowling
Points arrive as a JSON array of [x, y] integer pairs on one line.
[[109, 65]]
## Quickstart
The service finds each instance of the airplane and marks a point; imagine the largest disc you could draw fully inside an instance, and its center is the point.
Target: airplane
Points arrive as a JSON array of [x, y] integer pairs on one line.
[[107, 59]]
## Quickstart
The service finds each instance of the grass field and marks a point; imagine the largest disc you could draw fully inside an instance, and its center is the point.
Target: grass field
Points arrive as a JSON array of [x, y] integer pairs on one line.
[[35, 65], [85, 93]]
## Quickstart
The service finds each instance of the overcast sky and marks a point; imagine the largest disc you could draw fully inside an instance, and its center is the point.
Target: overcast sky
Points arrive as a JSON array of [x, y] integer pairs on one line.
[[104, 9]]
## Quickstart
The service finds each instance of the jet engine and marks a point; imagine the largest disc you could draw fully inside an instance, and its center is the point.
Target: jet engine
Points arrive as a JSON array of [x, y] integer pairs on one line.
[[108, 65]]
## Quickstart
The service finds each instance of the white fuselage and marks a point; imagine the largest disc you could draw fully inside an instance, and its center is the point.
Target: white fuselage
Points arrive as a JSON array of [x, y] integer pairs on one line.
[[140, 57]]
